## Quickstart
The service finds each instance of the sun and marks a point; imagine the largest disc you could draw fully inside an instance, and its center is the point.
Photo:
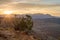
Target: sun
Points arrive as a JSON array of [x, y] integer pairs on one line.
[[8, 12]]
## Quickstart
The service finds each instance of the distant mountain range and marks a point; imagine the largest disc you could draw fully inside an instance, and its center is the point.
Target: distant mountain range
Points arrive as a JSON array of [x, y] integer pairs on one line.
[[35, 16], [41, 16]]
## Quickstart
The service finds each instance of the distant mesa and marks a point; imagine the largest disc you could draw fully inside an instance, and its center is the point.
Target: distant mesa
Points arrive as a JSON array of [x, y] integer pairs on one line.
[[41, 16], [34, 16]]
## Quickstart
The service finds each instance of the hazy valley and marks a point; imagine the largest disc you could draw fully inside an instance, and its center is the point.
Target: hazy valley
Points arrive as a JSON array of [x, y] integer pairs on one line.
[[46, 27]]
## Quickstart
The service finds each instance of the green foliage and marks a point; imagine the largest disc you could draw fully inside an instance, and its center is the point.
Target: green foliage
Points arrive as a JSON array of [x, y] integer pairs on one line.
[[29, 22], [24, 23]]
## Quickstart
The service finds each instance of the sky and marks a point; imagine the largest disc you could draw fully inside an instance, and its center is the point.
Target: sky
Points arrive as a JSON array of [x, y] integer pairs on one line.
[[51, 7], [32, 1]]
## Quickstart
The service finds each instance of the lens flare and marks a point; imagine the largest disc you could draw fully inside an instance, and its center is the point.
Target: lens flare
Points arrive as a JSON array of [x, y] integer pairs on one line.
[[8, 12]]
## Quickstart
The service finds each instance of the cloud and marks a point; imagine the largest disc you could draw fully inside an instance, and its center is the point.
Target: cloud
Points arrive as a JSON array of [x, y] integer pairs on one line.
[[5, 1], [32, 1], [39, 1], [27, 1]]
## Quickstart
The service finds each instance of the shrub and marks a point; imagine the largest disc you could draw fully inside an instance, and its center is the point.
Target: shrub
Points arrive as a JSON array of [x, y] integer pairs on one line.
[[24, 23]]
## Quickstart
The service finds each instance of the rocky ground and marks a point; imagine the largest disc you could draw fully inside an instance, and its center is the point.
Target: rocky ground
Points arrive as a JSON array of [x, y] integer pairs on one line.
[[7, 32], [11, 34]]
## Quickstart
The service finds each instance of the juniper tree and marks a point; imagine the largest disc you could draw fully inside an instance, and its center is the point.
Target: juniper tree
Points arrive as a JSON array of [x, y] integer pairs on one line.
[[24, 23], [29, 22]]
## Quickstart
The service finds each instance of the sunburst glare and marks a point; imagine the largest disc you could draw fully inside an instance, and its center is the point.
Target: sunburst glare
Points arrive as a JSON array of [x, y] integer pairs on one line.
[[8, 12]]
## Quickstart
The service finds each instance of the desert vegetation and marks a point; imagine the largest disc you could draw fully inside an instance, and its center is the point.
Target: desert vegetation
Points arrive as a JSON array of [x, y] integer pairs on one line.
[[23, 24], [16, 28], [24, 27]]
